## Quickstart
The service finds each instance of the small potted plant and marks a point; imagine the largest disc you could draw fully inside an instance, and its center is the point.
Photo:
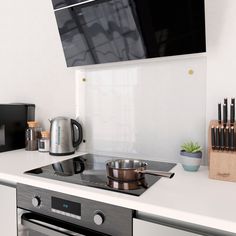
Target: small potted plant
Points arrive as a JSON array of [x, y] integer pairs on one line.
[[191, 156]]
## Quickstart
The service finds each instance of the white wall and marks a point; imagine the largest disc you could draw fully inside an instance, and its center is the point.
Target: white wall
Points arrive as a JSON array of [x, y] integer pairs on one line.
[[32, 62], [221, 56]]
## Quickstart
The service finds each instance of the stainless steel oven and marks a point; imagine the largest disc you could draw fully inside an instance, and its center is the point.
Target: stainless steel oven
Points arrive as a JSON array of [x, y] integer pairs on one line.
[[48, 213]]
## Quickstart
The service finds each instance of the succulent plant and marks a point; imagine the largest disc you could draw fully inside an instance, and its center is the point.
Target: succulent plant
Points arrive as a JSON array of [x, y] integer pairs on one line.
[[191, 147]]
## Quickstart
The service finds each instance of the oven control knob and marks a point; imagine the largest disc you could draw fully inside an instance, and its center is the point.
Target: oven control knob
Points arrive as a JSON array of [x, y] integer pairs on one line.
[[36, 201], [99, 218]]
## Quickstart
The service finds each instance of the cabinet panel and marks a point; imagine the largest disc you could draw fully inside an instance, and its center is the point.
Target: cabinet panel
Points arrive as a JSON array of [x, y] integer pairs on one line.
[[141, 228], [8, 218]]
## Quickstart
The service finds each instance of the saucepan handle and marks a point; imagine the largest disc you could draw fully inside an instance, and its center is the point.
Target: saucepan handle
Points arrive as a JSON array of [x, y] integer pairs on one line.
[[157, 173]]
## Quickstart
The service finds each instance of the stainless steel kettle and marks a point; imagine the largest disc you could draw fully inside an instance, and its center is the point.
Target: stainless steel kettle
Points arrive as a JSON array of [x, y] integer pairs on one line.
[[65, 135]]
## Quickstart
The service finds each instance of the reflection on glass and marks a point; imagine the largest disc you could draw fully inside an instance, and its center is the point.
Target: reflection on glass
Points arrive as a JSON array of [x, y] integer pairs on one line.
[[101, 31], [69, 167]]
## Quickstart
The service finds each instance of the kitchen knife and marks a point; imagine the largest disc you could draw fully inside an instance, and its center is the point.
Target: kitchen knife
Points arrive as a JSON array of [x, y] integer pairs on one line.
[[234, 141], [222, 138], [233, 101], [219, 113], [213, 138], [217, 138], [232, 115], [227, 138], [225, 118], [232, 138], [225, 101], [226, 109]]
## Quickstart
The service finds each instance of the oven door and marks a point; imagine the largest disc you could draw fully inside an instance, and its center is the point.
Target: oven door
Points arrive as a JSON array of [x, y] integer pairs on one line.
[[32, 224]]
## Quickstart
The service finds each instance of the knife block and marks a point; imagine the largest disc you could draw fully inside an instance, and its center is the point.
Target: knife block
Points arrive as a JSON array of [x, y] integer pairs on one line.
[[222, 164]]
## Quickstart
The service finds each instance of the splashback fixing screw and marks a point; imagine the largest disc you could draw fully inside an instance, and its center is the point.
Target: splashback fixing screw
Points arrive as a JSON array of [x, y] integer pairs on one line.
[[84, 79], [190, 72]]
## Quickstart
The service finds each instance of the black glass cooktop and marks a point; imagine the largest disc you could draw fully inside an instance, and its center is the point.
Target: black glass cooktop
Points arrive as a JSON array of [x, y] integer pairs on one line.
[[90, 170]]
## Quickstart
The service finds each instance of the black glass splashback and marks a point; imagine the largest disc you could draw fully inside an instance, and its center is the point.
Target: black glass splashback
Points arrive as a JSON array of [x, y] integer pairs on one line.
[[101, 31], [90, 170]]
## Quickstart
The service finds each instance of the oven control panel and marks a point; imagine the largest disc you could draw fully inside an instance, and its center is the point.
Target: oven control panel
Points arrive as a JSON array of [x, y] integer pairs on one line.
[[91, 214]]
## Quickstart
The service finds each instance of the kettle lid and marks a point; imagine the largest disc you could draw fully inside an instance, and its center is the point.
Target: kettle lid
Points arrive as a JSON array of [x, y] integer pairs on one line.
[[60, 118]]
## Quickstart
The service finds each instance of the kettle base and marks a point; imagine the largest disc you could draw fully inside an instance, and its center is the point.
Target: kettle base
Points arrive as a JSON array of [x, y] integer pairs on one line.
[[61, 154]]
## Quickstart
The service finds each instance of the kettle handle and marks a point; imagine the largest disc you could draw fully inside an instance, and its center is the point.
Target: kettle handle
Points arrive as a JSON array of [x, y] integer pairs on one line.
[[80, 136]]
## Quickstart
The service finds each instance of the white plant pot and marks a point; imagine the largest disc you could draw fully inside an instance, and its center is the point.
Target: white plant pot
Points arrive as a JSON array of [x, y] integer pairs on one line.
[[190, 161]]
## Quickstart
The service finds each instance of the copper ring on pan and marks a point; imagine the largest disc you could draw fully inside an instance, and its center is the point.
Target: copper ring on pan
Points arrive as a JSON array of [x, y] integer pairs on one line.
[[126, 181], [121, 185]]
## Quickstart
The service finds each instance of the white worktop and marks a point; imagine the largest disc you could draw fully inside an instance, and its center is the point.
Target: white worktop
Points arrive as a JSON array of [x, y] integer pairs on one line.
[[190, 197]]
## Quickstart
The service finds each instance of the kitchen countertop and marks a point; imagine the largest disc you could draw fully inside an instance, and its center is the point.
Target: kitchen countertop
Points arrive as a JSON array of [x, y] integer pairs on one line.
[[190, 196]]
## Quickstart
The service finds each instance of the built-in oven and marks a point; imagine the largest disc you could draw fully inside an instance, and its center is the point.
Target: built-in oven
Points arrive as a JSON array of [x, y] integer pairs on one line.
[[44, 212]]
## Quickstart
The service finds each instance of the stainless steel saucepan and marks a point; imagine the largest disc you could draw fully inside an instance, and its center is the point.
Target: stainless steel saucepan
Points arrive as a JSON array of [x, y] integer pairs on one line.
[[131, 170]]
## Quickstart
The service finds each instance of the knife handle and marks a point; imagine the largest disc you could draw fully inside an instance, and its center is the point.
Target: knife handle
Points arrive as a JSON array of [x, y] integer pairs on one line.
[[225, 118], [232, 141], [232, 115], [226, 109], [222, 138], [217, 138], [213, 138], [233, 101], [219, 113], [227, 138]]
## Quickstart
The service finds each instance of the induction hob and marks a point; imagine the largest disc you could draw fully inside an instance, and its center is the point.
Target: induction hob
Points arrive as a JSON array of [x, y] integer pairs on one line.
[[90, 170]]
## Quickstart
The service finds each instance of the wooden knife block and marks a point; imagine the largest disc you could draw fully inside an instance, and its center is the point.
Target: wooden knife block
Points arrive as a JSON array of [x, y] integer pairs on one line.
[[222, 164]]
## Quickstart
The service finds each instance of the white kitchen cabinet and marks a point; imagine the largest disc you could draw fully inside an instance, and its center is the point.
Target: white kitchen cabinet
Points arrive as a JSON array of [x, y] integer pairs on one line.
[[141, 228], [8, 220]]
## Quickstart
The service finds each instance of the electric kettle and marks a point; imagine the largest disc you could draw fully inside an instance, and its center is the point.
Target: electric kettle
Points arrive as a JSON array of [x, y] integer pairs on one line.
[[65, 135]]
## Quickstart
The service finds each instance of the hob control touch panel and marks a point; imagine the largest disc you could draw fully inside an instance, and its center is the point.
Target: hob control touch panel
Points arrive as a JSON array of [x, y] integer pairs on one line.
[[98, 216]]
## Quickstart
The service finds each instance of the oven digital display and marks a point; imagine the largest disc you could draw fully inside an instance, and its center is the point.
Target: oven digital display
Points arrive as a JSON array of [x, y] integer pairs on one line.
[[66, 206]]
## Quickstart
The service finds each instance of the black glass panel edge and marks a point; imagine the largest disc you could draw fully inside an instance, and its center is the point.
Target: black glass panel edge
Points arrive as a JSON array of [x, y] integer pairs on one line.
[[57, 4]]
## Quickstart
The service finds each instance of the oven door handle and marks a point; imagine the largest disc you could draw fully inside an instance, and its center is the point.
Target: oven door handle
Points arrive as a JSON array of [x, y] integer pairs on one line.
[[44, 227]]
